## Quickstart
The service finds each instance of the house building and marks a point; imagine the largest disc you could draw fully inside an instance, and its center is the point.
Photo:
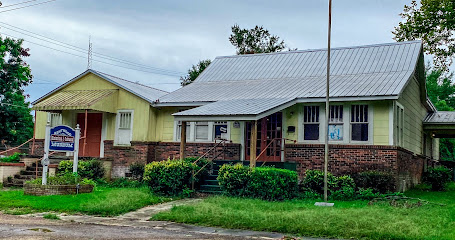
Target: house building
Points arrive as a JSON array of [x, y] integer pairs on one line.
[[379, 119]]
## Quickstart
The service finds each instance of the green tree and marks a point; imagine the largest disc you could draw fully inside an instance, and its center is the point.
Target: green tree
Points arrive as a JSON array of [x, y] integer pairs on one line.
[[441, 92], [255, 40], [246, 41], [194, 72], [16, 122], [433, 22]]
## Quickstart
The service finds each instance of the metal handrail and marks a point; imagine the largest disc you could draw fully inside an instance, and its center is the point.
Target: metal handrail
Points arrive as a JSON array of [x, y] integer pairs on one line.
[[268, 145], [7, 150], [211, 160]]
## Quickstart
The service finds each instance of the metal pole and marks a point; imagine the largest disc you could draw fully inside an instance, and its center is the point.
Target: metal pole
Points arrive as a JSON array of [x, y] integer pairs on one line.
[[45, 161], [327, 106], [76, 148]]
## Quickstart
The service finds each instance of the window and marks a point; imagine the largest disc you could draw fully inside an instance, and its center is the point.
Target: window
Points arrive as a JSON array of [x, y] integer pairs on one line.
[[336, 123], [359, 122], [125, 120], [220, 130], [201, 131], [311, 123], [179, 130], [400, 123], [55, 119], [124, 127]]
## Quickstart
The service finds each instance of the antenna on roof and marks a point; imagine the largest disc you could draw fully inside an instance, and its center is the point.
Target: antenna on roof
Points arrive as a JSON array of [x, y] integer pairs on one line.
[[89, 56]]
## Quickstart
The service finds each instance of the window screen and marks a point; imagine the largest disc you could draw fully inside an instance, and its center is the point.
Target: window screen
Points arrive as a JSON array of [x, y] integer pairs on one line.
[[336, 123], [125, 120], [311, 122], [202, 131], [359, 122]]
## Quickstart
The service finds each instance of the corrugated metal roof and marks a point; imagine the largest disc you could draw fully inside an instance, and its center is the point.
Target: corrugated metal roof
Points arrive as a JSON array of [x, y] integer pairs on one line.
[[147, 93], [75, 99], [362, 71], [235, 107], [443, 117]]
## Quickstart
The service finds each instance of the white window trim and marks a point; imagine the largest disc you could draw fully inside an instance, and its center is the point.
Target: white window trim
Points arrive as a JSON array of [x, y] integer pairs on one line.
[[400, 144], [192, 129], [347, 132], [49, 118], [117, 125]]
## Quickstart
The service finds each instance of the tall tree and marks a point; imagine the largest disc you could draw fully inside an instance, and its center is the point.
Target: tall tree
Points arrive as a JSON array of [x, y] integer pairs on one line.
[[246, 41], [194, 72], [432, 21], [441, 92], [16, 122], [255, 40]]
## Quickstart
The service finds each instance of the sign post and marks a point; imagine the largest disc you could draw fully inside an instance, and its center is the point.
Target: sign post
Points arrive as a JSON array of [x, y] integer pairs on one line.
[[60, 139]]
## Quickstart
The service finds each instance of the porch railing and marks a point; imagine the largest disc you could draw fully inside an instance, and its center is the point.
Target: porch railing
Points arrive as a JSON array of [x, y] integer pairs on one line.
[[273, 142]]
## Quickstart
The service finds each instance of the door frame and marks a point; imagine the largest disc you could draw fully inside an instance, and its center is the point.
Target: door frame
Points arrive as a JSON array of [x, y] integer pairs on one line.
[[262, 134], [104, 124]]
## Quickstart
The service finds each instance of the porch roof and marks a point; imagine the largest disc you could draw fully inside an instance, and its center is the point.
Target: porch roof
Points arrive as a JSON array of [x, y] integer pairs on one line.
[[98, 100], [441, 124], [235, 109]]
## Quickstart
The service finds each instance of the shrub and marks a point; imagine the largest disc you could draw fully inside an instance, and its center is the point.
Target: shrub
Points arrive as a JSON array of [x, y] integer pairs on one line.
[[202, 163], [65, 179], [91, 169], [437, 177], [137, 171], [377, 181], [262, 182], [314, 181], [170, 177], [15, 158]]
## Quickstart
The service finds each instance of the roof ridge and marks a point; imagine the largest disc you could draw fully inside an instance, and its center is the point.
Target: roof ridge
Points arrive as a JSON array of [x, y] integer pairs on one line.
[[322, 49], [140, 84]]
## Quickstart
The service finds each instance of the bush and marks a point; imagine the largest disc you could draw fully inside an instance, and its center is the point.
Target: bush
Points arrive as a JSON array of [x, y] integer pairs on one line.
[[314, 181], [202, 163], [266, 183], [170, 177], [15, 158], [380, 182], [91, 169], [137, 171], [65, 179], [437, 177]]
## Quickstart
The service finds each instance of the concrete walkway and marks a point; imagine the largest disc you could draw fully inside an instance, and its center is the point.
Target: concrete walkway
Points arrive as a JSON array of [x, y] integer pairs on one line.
[[140, 219]]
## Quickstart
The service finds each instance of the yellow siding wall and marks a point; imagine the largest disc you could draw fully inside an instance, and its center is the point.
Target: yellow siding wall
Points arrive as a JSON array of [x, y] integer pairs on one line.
[[414, 113], [291, 118], [165, 124], [236, 133], [381, 122], [125, 100]]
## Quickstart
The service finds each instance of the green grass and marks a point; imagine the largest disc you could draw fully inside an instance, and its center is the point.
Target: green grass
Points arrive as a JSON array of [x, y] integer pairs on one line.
[[348, 219], [51, 216], [103, 201]]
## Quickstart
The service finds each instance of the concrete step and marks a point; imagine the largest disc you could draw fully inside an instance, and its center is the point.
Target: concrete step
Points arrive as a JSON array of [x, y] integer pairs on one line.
[[213, 188], [211, 177], [211, 182]]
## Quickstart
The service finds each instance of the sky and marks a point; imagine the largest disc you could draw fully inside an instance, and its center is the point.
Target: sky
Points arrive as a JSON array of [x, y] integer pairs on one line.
[[170, 36]]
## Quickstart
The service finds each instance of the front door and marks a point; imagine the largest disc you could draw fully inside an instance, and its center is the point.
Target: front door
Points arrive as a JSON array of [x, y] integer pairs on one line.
[[93, 141], [269, 128]]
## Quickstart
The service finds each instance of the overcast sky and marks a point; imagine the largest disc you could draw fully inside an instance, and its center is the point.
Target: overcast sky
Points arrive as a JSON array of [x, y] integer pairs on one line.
[[174, 34]]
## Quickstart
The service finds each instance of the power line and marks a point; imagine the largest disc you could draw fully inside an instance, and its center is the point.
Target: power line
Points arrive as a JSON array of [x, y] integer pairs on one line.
[[18, 3], [31, 5], [83, 50], [172, 75]]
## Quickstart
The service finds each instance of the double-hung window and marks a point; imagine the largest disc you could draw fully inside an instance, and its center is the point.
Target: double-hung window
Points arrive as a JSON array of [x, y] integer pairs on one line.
[[220, 130], [311, 122], [55, 119], [202, 131], [359, 123], [400, 123], [336, 123]]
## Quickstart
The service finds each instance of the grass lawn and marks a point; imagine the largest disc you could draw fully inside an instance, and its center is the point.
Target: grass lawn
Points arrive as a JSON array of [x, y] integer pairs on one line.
[[348, 219], [102, 201]]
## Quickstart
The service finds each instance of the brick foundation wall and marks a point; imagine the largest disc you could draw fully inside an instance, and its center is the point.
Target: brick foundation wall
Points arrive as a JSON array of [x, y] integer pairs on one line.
[[41, 190], [349, 159]]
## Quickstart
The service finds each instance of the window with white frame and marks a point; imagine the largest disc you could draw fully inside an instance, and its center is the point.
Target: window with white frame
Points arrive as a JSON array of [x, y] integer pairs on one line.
[[336, 123], [311, 122], [55, 119], [220, 130], [359, 123], [179, 130], [124, 127], [400, 124], [201, 131]]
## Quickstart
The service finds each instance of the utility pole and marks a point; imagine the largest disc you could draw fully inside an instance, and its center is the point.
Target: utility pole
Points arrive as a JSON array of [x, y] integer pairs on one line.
[[327, 106], [89, 56]]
